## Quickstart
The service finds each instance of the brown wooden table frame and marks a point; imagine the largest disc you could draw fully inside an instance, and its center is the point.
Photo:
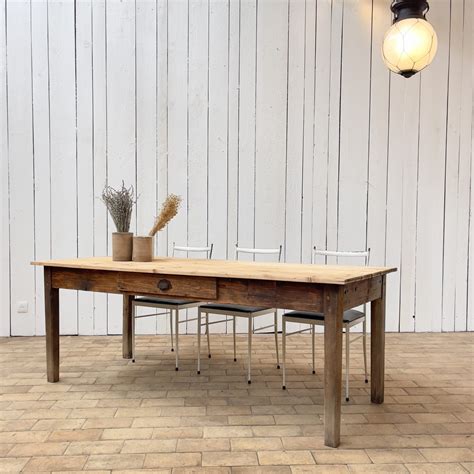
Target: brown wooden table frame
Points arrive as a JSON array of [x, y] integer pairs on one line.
[[331, 299]]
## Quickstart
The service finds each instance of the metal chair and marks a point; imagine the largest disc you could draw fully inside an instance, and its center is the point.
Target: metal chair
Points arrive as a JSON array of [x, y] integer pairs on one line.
[[351, 318], [239, 311], [170, 305]]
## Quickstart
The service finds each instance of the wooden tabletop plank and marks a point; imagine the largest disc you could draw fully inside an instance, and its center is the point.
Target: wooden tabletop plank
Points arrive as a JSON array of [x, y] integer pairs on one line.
[[307, 273]]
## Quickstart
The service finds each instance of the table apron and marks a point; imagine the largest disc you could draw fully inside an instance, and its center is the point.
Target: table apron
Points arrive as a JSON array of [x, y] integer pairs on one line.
[[266, 293]]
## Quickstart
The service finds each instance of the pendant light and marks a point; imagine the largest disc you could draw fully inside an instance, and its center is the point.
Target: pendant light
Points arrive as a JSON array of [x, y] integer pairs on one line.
[[410, 44]]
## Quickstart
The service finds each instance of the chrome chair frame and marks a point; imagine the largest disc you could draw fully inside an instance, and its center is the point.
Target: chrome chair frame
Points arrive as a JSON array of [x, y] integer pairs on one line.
[[315, 322], [170, 308], [250, 315]]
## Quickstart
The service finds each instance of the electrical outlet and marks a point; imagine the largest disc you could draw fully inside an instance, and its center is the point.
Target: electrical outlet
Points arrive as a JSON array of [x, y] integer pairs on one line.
[[22, 307]]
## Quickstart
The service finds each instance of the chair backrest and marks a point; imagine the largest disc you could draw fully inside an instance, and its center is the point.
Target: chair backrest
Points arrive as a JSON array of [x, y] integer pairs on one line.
[[205, 250], [356, 254], [258, 251]]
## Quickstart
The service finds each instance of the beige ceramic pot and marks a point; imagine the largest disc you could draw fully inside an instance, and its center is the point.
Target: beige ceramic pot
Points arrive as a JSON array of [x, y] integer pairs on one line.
[[142, 249], [122, 243]]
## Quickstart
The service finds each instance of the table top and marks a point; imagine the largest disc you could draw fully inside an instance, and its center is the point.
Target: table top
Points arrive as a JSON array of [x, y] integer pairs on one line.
[[295, 272]]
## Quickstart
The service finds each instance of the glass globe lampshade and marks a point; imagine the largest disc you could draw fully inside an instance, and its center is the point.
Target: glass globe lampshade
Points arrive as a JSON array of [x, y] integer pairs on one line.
[[409, 46]]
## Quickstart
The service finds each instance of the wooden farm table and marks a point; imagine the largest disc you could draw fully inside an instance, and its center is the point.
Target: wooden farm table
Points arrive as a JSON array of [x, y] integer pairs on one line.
[[324, 288]]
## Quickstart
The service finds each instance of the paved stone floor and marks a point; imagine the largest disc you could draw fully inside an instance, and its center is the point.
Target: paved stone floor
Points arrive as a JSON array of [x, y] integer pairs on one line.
[[107, 414]]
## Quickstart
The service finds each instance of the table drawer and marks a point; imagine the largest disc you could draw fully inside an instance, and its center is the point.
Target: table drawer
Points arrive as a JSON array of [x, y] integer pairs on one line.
[[204, 288]]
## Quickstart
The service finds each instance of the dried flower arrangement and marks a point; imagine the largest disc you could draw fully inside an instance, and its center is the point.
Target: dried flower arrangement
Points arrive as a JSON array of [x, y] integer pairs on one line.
[[119, 203], [169, 209], [143, 245]]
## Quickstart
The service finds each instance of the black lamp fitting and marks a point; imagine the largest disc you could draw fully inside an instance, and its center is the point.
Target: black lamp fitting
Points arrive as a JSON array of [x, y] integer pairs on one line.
[[403, 9]]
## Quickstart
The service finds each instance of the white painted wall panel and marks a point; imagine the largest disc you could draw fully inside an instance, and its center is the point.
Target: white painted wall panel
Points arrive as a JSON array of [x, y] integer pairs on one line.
[[4, 184], [21, 166], [277, 122], [99, 146], [85, 155], [121, 116]]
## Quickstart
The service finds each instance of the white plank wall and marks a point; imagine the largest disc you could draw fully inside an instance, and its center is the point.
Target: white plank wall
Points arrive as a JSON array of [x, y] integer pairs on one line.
[[275, 120]]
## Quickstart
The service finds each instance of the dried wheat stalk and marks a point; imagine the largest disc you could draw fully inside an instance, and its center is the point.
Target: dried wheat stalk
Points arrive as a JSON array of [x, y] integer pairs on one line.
[[119, 203], [168, 210]]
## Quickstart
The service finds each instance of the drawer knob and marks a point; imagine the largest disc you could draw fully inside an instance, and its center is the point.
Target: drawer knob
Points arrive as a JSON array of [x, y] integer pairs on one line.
[[164, 285]]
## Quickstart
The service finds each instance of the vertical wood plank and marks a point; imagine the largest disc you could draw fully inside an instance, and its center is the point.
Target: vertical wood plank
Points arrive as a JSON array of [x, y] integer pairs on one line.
[[432, 142], [461, 313], [378, 139], [146, 126], [452, 162], [334, 124], [333, 310], [161, 241], [21, 166], [295, 115], [402, 184], [307, 167], [4, 185], [247, 110], [270, 126], [41, 143], [63, 145], [178, 118], [198, 133], [294, 130], [355, 102], [51, 303], [99, 143], [178, 115], [321, 123], [272, 19], [85, 154], [378, 136], [218, 127], [233, 45], [246, 129], [218, 78], [121, 120]]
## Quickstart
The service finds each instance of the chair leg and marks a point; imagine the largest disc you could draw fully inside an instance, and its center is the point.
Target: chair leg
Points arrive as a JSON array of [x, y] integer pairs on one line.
[[235, 345], [347, 363], [364, 343], [276, 337], [134, 312], [171, 330], [199, 341], [207, 334], [176, 321], [312, 344], [249, 380], [283, 350]]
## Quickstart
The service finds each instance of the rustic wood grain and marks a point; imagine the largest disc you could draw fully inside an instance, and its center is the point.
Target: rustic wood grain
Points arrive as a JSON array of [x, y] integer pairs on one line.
[[51, 305], [168, 285], [307, 273], [361, 292], [85, 280], [333, 310], [127, 326], [269, 285], [377, 347]]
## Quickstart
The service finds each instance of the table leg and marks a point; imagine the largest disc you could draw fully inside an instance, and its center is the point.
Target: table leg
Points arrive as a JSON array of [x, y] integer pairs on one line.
[[377, 348], [333, 312], [51, 307], [127, 327]]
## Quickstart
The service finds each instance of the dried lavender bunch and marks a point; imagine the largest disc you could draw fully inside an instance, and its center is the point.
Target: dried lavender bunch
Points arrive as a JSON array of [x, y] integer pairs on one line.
[[168, 210], [119, 203]]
